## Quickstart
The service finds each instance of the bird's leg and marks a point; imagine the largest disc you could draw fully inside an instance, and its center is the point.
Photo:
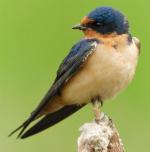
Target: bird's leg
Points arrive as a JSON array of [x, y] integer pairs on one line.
[[97, 104]]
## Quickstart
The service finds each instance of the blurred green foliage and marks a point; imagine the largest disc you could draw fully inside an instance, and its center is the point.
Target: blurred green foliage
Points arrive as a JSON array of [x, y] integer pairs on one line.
[[35, 36]]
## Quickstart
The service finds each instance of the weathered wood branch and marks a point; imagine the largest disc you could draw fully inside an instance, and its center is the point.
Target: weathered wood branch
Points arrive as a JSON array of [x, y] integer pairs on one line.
[[100, 136]]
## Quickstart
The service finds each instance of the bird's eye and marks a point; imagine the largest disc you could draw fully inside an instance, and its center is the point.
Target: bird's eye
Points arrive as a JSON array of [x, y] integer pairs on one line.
[[98, 24]]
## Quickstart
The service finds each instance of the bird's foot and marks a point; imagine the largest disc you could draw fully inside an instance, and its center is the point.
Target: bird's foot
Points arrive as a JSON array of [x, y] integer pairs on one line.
[[97, 104]]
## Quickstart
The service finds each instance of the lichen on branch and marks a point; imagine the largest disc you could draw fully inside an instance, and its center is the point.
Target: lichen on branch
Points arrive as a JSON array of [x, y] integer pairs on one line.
[[100, 136]]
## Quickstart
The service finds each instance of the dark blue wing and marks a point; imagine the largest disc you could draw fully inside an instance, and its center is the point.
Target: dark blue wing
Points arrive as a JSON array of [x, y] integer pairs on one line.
[[67, 69], [76, 55]]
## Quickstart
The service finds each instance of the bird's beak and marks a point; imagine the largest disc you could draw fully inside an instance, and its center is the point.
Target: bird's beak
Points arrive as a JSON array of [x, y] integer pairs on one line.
[[79, 27]]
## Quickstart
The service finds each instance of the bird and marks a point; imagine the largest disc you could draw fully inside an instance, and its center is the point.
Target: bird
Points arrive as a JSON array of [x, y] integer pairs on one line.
[[99, 66]]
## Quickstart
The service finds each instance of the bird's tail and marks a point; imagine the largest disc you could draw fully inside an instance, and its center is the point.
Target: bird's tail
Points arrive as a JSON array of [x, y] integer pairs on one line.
[[51, 119], [23, 126], [47, 121]]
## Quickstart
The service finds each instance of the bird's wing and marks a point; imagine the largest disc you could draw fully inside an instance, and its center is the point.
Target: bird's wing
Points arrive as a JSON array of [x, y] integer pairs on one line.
[[78, 55]]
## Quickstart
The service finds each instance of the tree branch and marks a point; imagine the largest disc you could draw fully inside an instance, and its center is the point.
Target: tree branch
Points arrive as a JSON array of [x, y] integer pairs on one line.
[[100, 136]]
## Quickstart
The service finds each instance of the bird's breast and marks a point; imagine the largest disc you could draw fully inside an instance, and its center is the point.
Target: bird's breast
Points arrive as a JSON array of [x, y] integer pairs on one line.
[[106, 72]]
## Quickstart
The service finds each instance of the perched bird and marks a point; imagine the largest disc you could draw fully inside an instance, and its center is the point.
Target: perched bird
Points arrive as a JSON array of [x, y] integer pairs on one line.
[[97, 68]]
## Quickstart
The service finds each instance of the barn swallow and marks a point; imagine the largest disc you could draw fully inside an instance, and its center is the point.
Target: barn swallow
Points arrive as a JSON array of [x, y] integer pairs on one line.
[[97, 68]]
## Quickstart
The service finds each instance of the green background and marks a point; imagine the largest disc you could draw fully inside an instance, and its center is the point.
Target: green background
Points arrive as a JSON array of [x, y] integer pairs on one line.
[[34, 38]]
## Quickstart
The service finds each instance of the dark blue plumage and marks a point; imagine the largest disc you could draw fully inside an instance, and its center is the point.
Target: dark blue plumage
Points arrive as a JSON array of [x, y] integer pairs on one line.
[[77, 51], [80, 47], [108, 20]]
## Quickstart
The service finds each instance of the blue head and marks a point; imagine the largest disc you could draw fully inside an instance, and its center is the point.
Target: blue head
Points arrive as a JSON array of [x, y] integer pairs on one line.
[[105, 20]]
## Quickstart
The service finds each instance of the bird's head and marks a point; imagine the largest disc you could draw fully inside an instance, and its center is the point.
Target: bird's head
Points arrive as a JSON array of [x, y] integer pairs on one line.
[[104, 20]]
